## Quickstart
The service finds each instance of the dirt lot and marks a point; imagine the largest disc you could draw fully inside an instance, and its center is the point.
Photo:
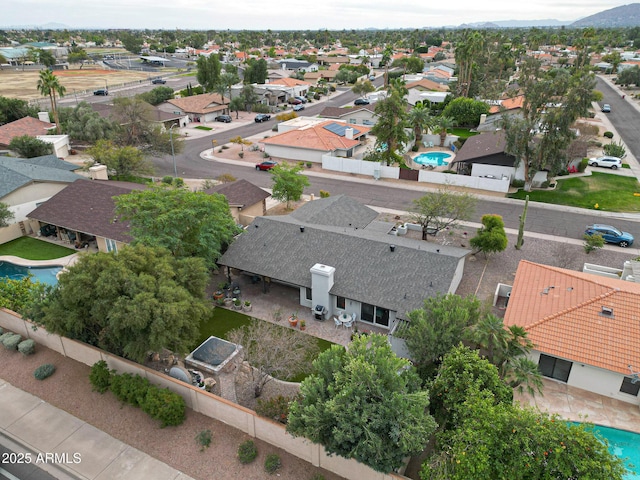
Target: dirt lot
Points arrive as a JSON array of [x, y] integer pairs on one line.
[[15, 83]]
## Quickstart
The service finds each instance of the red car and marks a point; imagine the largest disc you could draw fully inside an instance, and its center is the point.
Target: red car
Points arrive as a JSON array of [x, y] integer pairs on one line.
[[266, 165]]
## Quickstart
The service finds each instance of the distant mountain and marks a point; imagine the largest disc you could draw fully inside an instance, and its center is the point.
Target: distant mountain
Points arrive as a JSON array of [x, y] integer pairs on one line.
[[515, 24], [46, 26], [623, 16]]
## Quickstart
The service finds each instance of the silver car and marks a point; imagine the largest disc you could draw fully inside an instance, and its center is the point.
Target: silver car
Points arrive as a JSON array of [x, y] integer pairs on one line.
[[606, 161]]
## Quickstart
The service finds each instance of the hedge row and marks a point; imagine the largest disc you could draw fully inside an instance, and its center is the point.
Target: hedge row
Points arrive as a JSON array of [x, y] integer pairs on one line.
[[159, 403]]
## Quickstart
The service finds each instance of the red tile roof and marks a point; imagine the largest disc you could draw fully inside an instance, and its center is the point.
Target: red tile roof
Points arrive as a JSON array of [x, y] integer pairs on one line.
[[25, 126], [562, 312], [317, 137], [508, 104]]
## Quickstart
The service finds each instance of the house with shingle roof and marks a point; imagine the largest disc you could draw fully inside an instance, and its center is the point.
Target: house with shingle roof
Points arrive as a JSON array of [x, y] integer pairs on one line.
[[315, 139], [585, 328], [87, 209], [198, 108], [336, 254], [28, 182], [364, 115], [35, 128], [246, 200]]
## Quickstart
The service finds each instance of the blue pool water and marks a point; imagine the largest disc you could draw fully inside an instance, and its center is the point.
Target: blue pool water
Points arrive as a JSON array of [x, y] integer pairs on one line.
[[436, 159], [625, 445], [40, 274]]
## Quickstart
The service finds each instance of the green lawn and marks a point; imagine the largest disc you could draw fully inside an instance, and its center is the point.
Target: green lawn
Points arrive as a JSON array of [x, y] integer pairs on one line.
[[202, 127], [611, 193], [33, 249], [222, 321], [463, 133]]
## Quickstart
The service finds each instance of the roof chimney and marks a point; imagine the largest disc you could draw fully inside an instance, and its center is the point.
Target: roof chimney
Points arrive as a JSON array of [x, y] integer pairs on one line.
[[348, 133]]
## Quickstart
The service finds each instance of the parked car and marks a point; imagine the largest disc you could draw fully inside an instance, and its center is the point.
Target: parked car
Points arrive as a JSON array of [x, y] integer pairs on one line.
[[101, 91], [158, 81], [266, 165], [302, 99], [223, 118], [606, 161], [606, 108], [610, 234], [262, 117], [294, 101], [297, 108], [361, 101]]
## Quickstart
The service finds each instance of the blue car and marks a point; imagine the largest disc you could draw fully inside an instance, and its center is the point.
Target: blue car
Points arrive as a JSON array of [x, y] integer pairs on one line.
[[611, 234]]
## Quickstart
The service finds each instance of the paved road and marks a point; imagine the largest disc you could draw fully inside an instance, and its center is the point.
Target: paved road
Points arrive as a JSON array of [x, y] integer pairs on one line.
[[16, 465], [545, 219]]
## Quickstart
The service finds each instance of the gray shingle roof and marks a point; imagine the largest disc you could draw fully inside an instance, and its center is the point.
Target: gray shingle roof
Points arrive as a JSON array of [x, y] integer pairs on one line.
[[52, 161], [338, 211], [240, 193], [366, 268], [18, 172]]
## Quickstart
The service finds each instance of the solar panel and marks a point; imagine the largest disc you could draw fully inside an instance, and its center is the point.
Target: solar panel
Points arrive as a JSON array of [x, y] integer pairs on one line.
[[340, 129]]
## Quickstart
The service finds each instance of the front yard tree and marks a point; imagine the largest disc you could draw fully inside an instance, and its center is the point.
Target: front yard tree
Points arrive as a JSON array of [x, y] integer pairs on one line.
[[77, 55], [437, 327], [364, 403], [274, 351], [29, 147], [122, 161], [288, 183], [466, 112], [491, 237], [389, 130], [5, 215], [553, 101], [49, 86], [139, 300], [83, 124], [442, 209], [363, 87], [419, 118], [188, 224], [208, 74]]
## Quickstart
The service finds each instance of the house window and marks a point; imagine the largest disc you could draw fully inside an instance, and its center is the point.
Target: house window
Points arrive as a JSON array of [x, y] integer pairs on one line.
[[340, 302], [554, 367], [629, 387], [367, 312], [353, 121], [112, 245], [308, 293], [382, 316]]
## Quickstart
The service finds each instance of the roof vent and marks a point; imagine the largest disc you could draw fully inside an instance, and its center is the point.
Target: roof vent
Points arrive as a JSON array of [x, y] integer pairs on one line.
[[301, 228], [392, 248], [607, 311]]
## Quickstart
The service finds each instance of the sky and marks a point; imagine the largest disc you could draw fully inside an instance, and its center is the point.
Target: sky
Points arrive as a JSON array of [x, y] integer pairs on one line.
[[289, 14]]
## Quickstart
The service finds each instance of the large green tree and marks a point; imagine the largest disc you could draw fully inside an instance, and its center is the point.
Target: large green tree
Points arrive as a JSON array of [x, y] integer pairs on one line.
[[121, 161], [188, 224], [491, 237], [139, 300], [83, 124], [438, 326], [12, 109], [466, 112], [441, 209], [364, 403], [49, 86], [208, 73], [288, 183], [29, 147]]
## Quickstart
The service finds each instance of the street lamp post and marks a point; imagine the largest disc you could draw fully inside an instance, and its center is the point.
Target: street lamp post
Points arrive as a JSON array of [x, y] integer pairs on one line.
[[173, 153]]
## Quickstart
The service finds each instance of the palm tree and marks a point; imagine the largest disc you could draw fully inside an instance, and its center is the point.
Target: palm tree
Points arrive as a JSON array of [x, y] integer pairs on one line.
[[441, 124], [48, 85], [419, 118]]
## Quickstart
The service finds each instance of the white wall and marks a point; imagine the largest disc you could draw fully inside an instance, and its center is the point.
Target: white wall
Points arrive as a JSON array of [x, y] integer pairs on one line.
[[480, 183], [294, 154]]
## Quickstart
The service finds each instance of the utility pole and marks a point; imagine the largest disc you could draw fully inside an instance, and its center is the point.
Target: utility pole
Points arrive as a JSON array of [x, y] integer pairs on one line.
[[173, 153]]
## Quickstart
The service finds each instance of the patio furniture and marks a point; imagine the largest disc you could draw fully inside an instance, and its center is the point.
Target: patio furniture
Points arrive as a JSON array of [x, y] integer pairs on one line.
[[337, 322], [344, 318], [430, 144], [349, 323]]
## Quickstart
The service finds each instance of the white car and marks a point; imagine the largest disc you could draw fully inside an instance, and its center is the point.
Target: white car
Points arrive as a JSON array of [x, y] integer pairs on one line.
[[606, 161]]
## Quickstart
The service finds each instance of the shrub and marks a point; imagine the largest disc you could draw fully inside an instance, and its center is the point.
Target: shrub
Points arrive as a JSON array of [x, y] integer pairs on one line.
[[204, 439], [324, 194], [545, 184], [27, 347], [317, 476], [309, 164], [247, 452], [415, 148], [593, 242], [130, 389], [276, 408], [241, 154], [44, 371], [5, 335], [1, 331], [164, 405], [517, 183], [583, 165], [615, 150], [272, 463], [100, 376], [608, 134], [167, 179], [11, 341]]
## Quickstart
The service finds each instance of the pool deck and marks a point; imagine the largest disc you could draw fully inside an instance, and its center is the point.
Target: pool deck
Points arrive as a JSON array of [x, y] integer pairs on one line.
[[54, 262], [435, 149], [580, 405]]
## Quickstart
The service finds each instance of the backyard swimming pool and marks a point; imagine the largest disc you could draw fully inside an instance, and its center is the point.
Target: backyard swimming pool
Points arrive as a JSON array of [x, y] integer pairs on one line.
[[436, 159], [41, 274], [625, 445]]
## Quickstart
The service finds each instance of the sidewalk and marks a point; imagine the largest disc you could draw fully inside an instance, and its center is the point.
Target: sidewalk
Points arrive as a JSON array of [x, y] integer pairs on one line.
[[67, 447]]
